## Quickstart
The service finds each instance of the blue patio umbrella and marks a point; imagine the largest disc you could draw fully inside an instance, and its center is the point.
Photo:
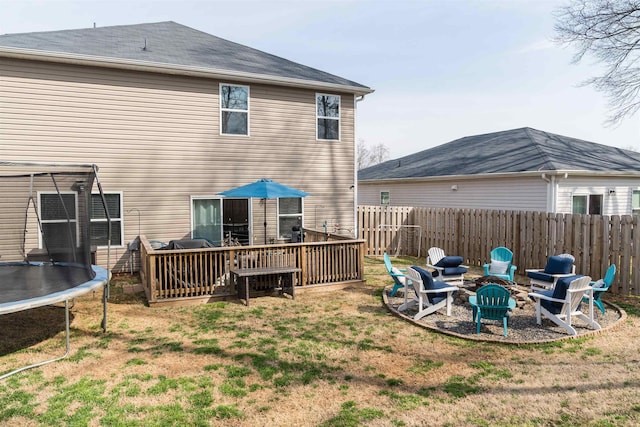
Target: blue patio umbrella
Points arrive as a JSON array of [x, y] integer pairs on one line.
[[264, 189]]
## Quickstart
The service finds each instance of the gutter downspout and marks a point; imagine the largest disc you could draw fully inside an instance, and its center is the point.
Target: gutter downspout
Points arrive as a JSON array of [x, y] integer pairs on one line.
[[552, 192], [355, 167]]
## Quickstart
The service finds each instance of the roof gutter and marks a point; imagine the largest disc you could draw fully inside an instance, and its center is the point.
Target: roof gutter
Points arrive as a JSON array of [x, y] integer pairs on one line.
[[175, 69], [562, 173]]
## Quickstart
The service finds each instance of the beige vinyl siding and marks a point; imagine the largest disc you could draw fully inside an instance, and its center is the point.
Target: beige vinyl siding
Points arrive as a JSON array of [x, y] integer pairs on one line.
[[528, 193], [617, 203], [156, 139]]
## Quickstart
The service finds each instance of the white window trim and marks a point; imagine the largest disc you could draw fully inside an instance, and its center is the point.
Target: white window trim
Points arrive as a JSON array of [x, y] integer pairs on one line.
[[389, 193], [339, 118], [121, 219], [43, 221], [587, 195], [235, 110], [301, 214], [634, 190]]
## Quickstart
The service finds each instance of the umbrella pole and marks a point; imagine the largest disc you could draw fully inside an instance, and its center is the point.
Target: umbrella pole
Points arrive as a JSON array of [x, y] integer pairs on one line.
[[265, 220]]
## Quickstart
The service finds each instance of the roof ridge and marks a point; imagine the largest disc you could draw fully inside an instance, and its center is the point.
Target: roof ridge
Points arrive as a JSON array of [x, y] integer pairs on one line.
[[539, 148]]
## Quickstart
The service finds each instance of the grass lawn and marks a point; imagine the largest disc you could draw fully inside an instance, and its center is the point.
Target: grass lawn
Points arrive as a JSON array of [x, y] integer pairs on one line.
[[324, 359]]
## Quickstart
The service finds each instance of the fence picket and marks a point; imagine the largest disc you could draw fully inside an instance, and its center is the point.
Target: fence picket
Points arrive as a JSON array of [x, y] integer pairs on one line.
[[596, 241]]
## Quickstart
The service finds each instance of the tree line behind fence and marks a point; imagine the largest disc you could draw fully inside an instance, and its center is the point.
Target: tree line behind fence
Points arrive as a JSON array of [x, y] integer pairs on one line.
[[596, 241]]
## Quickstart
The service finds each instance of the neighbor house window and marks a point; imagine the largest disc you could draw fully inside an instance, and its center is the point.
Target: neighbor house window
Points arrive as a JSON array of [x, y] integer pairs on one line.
[[99, 223], [59, 225], [328, 116], [289, 215], [587, 203], [635, 202], [384, 198], [234, 110]]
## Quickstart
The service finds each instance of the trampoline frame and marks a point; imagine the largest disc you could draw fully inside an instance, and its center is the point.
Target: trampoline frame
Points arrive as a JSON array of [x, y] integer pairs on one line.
[[101, 279], [101, 275]]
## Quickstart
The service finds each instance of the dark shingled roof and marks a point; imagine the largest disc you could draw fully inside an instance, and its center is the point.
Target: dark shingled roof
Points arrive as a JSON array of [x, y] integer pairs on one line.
[[517, 150], [169, 43]]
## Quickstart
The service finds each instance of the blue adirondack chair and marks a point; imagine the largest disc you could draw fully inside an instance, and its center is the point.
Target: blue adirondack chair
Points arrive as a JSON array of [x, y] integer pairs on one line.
[[399, 281], [598, 291], [492, 302], [501, 264]]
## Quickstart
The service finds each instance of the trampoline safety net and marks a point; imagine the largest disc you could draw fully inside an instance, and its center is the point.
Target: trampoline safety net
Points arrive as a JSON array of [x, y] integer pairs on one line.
[[45, 213]]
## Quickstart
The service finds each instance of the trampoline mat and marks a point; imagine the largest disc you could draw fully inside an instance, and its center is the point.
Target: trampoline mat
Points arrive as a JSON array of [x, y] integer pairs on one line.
[[41, 284]]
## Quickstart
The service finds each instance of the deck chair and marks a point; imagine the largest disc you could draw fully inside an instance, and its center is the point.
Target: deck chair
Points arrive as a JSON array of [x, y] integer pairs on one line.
[[431, 295], [600, 286], [492, 302], [562, 304], [558, 266], [447, 269], [501, 264], [399, 281]]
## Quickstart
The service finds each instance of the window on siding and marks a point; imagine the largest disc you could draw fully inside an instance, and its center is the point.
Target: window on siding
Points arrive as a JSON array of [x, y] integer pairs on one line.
[[635, 202], [587, 203], [328, 116], [384, 198], [234, 110], [58, 219], [99, 224], [289, 215]]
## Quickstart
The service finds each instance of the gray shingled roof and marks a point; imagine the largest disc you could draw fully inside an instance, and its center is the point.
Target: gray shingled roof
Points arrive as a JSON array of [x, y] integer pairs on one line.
[[169, 43], [517, 150]]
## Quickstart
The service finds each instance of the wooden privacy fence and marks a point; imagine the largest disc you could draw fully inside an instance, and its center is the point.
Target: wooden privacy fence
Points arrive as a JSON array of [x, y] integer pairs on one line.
[[177, 274], [595, 241]]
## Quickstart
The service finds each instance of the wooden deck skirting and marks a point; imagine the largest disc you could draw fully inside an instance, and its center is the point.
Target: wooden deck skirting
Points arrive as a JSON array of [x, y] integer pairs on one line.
[[202, 275]]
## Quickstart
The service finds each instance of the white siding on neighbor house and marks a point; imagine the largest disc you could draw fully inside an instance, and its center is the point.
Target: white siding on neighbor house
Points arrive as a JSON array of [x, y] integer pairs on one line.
[[517, 193], [617, 202], [156, 139]]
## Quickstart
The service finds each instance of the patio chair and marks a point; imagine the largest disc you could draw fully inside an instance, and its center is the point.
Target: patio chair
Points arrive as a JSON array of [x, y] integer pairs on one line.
[[431, 295], [396, 274], [501, 264], [600, 287], [492, 302], [558, 266], [447, 269], [562, 304]]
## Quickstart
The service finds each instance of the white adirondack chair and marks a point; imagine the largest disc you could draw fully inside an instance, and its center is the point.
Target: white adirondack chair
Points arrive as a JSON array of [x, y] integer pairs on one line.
[[430, 296], [561, 310]]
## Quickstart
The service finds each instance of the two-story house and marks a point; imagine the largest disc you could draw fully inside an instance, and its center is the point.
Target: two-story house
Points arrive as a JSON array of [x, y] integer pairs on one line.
[[173, 116]]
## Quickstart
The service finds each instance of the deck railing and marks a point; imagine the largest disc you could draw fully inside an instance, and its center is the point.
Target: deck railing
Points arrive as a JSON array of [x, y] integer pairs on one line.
[[200, 273]]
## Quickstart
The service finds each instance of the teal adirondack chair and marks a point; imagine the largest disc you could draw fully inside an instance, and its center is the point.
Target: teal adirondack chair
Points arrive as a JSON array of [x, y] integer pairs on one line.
[[399, 281], [502, 258], [492, 302], [597, 292]]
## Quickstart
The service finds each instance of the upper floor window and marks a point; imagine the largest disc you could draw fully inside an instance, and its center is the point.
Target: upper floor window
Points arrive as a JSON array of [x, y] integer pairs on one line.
[[587, 203], [234, 110], [384, 198], [328, 116], [99, 224]]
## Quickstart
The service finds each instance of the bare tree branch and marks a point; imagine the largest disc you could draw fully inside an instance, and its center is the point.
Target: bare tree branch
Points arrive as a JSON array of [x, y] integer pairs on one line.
[[609, 31]]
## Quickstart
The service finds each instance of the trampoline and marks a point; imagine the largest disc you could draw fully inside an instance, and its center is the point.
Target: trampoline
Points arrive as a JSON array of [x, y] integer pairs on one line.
[[46, 210]]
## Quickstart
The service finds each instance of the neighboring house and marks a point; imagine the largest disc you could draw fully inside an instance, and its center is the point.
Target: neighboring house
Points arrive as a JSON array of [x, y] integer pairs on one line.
[[173, 116], [519, 169]]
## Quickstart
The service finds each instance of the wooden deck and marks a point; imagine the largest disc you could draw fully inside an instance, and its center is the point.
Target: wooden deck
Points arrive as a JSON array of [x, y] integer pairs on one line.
[[184, 276]]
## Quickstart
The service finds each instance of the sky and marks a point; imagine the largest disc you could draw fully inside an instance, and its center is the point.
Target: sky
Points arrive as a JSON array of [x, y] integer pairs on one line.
[[441, 69]]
